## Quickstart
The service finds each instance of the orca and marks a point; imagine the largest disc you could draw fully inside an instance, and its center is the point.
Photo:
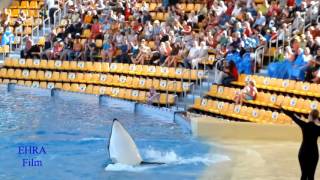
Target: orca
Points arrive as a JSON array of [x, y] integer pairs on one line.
[[122, 149]]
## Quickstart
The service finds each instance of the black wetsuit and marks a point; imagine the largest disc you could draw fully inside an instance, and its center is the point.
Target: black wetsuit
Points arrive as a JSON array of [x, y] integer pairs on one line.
[[308, 153]]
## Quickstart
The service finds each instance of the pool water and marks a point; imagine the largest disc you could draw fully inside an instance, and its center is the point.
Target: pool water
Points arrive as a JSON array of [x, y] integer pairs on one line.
[[73, 130]]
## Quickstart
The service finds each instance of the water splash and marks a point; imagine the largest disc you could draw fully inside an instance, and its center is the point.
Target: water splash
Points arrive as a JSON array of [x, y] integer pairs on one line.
[[169, 158]]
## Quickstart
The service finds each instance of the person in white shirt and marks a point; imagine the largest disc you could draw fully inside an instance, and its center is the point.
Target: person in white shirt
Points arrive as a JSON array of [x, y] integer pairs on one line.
[[202, 55], [193, 53], [53, 6]]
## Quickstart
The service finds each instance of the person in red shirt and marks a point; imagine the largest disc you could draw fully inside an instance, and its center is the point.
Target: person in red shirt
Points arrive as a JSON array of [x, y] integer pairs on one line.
[[96, 30]]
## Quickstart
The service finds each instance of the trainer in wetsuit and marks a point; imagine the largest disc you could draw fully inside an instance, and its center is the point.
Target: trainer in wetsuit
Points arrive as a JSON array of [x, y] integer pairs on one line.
[[308, 153]]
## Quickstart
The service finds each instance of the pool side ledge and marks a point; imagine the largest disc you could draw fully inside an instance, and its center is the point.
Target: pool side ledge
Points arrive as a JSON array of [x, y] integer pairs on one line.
[[220, 130]]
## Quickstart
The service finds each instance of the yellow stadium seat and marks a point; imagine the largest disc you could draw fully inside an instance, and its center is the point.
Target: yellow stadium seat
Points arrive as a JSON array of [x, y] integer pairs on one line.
[[50, 85], [13, 81], [114, 67], [122, 81], [35, 84], [28, 83], [8, 62], [24, 5], [149, 70], [122, 93], [301, 88], [18, 73], [88, 89], [20, 82], [178, 72], [86, 34], [162, 84], [65, 65], [103, 79], [43, 64], [134, 95], [41, 75], [72, 77], [141, 84], [89, 66], [29, 63], [142, 96], [87, 77], [73, 65], [34, 5], [58, 85], [95, 78], [3, 72], [48, 75], [99, 43], [97, 67], [132, 69], [14, 5], [25, 74], [43, 85], [10, 73], [66, 86], [190, 7], [314, 90], [81, 66], [115, 80], [63, 77], [50, 64], [103, 90], [33, 74], [289, 103], [127, 94], [115, 92], [162, 71], [95, 90]]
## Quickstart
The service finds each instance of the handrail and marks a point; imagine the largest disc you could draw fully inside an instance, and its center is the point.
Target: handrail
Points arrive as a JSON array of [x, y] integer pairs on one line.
[[256, 57]]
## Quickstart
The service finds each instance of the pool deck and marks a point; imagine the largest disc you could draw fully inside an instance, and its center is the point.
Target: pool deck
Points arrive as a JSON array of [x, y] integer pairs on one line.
[[257, 152]]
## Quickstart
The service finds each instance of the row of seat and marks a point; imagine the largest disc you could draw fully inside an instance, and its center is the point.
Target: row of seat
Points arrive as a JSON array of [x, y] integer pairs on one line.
[[28, 12], [122, 93], [26, 4], [104, 67], [240, 112], [281, 85], [96, 78], [299, 105]]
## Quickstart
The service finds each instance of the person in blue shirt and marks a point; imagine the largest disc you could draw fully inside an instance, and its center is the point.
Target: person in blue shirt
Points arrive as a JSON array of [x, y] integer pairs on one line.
[[7, 37]]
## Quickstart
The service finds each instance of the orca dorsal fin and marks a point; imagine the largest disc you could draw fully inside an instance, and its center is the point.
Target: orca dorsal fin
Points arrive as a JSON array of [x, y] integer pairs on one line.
[[122, 149]]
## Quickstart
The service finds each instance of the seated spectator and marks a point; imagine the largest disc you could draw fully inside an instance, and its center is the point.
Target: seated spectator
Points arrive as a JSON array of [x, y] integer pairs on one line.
[[20, 20], [225, 73], [26, 52], [96, 29], [90, 50], [76, 49], [201, 56], [174, 57], [193, 53], [7, 37], [67, 48], [248, 93], [153, 96], [143, 55]]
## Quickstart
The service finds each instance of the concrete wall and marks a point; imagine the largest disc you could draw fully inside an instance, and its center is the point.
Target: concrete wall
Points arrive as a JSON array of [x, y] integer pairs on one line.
[[4, 4], [220, 130]]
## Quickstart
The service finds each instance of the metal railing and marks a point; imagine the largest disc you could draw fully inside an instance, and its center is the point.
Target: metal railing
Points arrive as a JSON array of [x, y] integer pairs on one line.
[[258, 56]]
